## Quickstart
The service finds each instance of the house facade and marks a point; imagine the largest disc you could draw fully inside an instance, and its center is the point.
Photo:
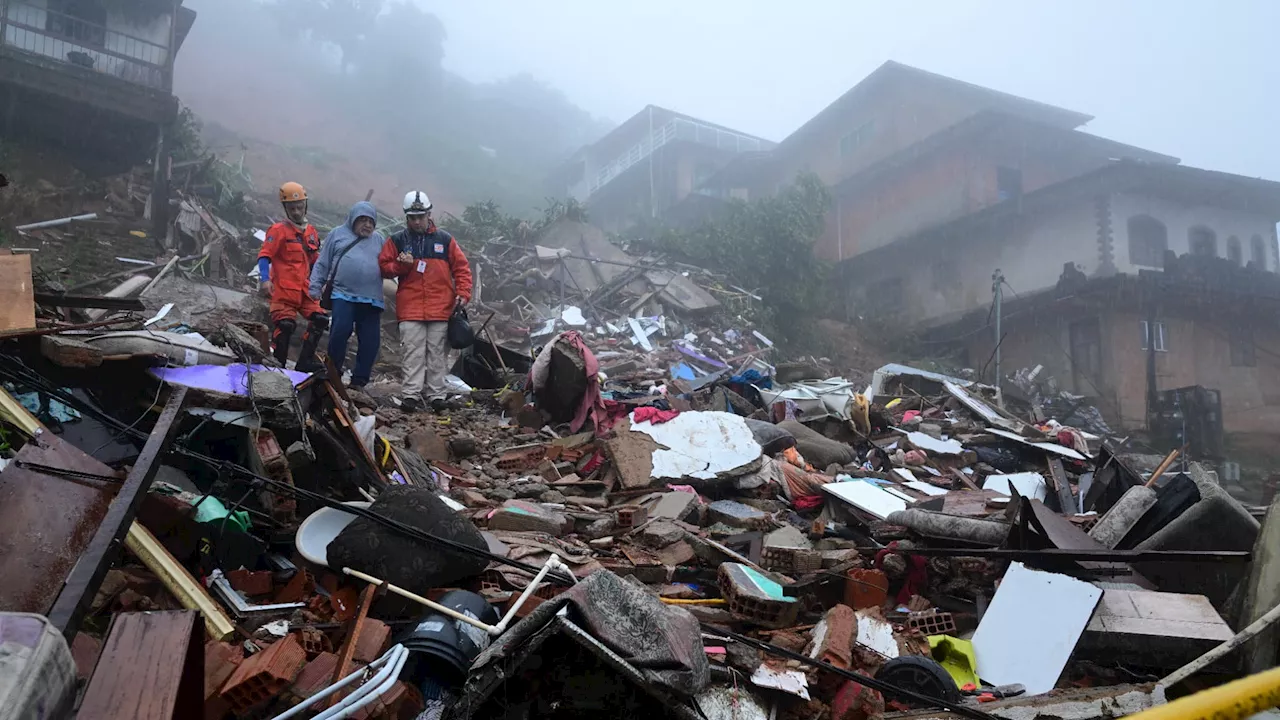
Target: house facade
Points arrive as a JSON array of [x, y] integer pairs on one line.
[[95, 76], [648, 165]]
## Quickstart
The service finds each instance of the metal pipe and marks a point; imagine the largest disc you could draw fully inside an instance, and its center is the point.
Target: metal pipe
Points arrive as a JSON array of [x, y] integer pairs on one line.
[[376, 664], [378, 685], [419, 599], [554, 560], [56, 223]]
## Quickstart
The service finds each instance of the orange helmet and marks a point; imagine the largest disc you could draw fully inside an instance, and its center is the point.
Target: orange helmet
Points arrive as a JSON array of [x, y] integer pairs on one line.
[[292, 192]]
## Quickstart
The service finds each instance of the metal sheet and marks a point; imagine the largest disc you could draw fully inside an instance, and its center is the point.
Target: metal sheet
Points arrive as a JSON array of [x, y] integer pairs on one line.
[[866, 497], [1045, 446], [1027, 484], [46, 522], [1031, 627]]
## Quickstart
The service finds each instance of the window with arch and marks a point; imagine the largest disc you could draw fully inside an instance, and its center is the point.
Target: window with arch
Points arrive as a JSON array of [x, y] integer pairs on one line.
[[1258, 252], [1148, 239], [1235, 253], [1203, 241]]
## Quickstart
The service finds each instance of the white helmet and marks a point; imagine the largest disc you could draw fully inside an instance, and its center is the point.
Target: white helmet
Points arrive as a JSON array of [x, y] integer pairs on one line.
[[416, 203]]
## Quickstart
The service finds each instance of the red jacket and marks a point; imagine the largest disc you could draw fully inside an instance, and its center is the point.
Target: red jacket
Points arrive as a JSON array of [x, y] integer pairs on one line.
[[430, 284], [292, 252]]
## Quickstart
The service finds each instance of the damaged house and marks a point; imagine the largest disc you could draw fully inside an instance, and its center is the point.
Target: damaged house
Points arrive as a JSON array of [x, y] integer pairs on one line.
[[649, 165], [937, 185], [95, 75]]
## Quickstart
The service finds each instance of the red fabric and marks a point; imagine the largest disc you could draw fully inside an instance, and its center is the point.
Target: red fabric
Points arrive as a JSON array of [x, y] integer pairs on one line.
[[917, 574], [807, 502], [910, 415], [431, 294], [654, 415], [592, 404], [292, 252]]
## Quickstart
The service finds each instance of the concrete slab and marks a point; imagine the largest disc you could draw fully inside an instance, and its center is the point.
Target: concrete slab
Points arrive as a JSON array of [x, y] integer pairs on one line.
[[1156, 629]]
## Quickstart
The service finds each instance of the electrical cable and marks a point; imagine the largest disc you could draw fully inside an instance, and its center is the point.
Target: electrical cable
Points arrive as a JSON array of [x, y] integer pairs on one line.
[[276, 487], [870, 682], [280, 488]]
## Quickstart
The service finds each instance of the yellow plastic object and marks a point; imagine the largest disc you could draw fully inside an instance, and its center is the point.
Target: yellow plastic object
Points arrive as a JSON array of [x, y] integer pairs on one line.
[[138, 234], [708, 601], [956, 656], [1236, 700], [893, 403], [860, 413]]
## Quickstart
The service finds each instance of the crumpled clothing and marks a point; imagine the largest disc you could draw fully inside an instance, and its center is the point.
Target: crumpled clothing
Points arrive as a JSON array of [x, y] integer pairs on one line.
[[653, 415], [1072, 438], [808, 502], [751, 377], [784, 410], [793, 456], [592, 404], [917, 579]]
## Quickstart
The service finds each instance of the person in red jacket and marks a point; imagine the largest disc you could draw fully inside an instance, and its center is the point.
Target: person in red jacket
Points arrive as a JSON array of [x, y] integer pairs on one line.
[[284, 271], [434, 278]]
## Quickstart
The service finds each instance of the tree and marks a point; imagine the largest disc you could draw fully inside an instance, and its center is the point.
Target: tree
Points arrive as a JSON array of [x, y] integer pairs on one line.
[[766, 246]]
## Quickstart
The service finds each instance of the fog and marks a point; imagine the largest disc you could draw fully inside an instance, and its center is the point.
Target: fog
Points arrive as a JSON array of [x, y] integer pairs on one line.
[[1190, 80]]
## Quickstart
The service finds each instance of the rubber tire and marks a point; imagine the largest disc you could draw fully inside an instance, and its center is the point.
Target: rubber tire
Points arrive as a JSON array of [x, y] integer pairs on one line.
[[921, 675]]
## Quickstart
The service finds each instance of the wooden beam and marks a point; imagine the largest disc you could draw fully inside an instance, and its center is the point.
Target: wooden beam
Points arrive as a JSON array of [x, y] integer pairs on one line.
[[89, 301], [82, 584]]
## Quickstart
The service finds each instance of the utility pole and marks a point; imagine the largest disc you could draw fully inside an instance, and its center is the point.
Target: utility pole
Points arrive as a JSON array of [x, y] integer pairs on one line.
[[997, 288]]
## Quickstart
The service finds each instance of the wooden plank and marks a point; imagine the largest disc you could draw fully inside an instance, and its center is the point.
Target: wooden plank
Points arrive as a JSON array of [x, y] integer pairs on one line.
[[151, 668], [17, 293], [82, 584], [89, 301], [1058, 474], [348, 651], [46, 521]]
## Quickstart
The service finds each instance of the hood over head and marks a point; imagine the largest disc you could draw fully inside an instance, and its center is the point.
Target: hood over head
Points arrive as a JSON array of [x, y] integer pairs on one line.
[[359, 210]]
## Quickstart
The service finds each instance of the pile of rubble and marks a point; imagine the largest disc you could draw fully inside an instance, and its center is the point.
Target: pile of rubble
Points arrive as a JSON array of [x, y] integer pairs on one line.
[[638, 508]]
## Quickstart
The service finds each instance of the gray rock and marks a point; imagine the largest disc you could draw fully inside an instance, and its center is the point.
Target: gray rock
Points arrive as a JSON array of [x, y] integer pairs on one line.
[[499, 494], [552, 496], [531, 490], [661, 534]]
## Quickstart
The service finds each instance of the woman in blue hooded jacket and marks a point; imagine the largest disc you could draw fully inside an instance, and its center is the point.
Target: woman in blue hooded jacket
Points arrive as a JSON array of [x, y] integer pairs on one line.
[[349, 259]]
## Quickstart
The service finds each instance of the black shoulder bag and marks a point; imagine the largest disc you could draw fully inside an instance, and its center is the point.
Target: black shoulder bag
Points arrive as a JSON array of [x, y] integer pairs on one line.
[[326, 291]]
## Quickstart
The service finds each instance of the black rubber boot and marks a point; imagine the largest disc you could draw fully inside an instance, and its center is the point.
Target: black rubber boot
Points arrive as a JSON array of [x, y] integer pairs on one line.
[[281, 336]]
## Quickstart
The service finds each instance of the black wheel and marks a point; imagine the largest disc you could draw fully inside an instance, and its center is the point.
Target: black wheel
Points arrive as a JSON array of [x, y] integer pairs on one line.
[[920, 675]]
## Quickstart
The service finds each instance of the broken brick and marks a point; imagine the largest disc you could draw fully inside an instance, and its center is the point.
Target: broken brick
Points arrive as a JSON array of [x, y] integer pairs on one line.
[[345, 603], [856, 702], [314, 643], [220, 662], [372, 640], [836, 646], [299, 586], [316, 676], [249, 582], [85, 649], [865, 588], [265, 675]]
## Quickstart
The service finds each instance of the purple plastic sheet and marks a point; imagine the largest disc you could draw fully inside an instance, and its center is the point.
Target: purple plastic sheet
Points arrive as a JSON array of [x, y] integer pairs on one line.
[[229, 379]]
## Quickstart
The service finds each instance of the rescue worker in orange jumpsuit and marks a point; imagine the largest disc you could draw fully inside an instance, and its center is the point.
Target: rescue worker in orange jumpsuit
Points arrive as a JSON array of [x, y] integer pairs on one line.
[[284, 269]]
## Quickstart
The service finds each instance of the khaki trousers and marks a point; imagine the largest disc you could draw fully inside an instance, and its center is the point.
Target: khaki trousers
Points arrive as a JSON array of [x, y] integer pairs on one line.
[[426, 357]]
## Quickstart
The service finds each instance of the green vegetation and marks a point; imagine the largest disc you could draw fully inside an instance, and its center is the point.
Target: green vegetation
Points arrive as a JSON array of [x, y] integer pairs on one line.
[[766, 247]]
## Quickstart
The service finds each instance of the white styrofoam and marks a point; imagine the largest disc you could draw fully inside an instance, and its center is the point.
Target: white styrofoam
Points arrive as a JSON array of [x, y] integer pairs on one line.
[[700, 445], [1031, 627], [1028, 484], [926, 488]]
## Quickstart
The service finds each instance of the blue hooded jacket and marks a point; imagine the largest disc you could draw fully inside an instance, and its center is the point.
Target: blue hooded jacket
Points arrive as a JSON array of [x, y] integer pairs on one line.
[[357, 277]]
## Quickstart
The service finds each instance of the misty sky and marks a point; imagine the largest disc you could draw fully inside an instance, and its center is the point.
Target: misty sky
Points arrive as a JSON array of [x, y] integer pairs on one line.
[[1197, 80]]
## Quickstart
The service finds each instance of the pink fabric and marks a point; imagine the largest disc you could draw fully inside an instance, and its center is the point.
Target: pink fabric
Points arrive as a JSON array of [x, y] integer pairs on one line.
[[653, 415], [910, 415]]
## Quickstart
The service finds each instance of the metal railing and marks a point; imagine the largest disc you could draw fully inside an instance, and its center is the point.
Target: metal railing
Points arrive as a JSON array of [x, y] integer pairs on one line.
[[676, 129], [78, 42]]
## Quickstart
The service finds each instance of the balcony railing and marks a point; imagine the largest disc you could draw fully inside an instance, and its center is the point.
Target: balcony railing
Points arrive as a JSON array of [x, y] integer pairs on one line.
[[677, 129], [69, 39]]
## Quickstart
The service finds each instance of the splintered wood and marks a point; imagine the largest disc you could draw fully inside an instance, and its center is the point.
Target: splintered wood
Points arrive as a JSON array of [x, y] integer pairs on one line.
[[17, 295]]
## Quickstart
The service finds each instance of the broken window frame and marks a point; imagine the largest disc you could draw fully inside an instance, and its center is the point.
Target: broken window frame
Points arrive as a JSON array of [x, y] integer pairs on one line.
[[1148, 241], [1202, 241], [1162, 336], [1085, 336], [1235, 252]]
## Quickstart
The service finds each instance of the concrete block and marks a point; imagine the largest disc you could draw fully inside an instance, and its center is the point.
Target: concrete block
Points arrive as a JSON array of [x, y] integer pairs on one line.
[[521, 516], [660, 534], [736, 514], [674, 506], [69, 352], [428, 444], [1156, 629]]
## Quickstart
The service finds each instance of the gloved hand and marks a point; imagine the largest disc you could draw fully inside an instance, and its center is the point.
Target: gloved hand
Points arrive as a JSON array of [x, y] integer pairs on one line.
[[265, 288]]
